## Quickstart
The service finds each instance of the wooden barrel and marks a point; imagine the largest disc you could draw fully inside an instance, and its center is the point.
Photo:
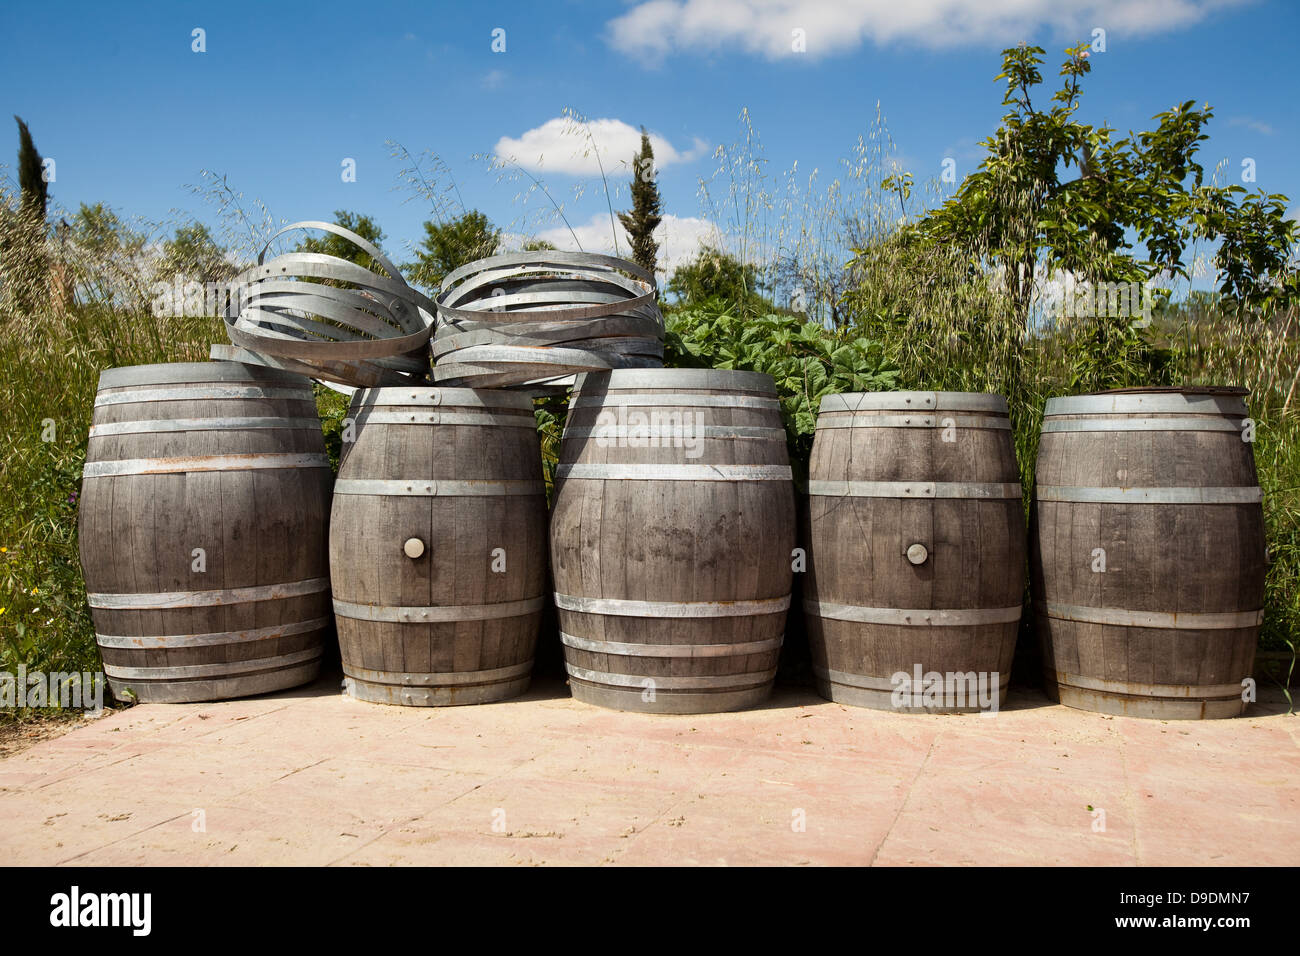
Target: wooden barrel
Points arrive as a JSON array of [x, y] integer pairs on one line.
[[671, 539], [916, 558], [438, 545], [202, 530], [1147, 552]]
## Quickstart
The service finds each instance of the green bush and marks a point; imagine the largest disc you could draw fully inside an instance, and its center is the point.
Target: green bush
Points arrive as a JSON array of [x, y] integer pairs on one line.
[[807, 361]]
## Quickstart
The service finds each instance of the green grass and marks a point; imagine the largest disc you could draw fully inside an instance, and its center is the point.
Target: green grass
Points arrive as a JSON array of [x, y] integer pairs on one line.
[[49, 370]]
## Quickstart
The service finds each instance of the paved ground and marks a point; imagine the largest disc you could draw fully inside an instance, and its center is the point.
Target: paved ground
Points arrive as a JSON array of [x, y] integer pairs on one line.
[[311, 777]]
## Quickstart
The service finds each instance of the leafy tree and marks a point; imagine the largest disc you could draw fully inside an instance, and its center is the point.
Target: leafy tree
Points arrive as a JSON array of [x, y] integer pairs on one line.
[[31, 179], [193, 254], [719, 277], [1055, 193], [539, 245], [24, 255], [448, 246], [644, 217], [108, 257]]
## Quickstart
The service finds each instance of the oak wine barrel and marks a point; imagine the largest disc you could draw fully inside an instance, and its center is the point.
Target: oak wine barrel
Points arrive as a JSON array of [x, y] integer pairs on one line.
[[671, 539], [438, 545], [202, 527], [1147, 551], [916, 551]]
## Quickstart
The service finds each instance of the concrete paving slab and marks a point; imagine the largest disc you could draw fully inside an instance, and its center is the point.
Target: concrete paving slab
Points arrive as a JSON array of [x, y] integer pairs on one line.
[[311, 777]]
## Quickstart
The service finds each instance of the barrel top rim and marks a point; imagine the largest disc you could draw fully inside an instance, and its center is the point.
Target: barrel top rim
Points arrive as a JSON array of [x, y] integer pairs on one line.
[[714, 378], [1133, 401], [1229, 390], [198, 373], [448, 396]]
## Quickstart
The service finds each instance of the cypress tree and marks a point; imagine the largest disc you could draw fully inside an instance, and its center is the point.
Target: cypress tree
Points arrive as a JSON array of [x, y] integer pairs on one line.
[[35, 190], [644, 216]]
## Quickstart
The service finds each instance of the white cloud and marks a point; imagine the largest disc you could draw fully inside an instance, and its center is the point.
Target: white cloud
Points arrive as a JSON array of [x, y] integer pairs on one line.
[[563, 146], [679, 238], [493, 79], [1252, 124], [653, 29]]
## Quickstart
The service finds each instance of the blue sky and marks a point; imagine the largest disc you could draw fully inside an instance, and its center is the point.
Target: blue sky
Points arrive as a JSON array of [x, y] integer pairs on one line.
[[284, 93]]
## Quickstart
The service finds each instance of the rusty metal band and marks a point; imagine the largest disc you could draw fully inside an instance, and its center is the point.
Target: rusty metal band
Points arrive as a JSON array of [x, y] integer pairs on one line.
[[196, 463], [671, 609], [1189, 424], [959, 679], [340, 376], [755, 432], [214, 639], [674, 400], [915, 401], [323, 311], [199, 425], [915, 489], [231, 669], [1138, 403], [1168, 620], [970, 422], [677, 379], [200, 393], [669, 683], [675, 472], [179, 599], [534, 317], [438, 614], [427, 489], [670, 650], [1132, 688], [446, 418], [1240, 495], [439, 678], [913, 617], [444, 397]]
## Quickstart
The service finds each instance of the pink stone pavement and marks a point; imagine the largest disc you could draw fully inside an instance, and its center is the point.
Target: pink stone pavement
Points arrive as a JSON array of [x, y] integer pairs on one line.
[[310, 777]]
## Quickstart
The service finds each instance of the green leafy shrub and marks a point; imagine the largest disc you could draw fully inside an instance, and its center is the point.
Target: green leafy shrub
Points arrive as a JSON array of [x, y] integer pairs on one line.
[[807, 361]]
